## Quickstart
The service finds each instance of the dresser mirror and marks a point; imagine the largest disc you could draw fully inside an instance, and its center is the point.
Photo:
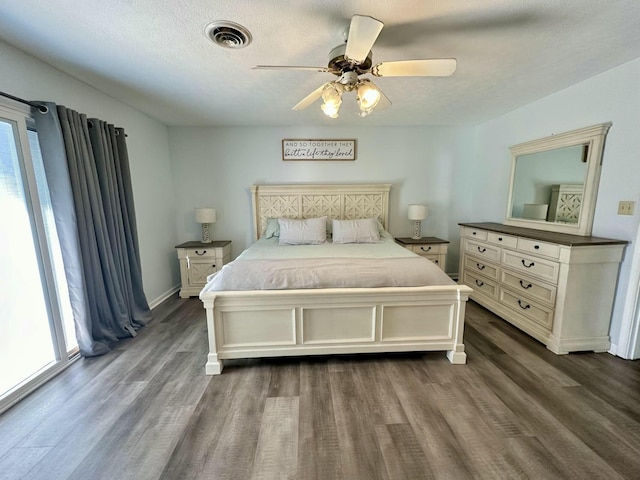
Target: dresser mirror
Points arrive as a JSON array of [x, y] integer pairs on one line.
[[554, 181]]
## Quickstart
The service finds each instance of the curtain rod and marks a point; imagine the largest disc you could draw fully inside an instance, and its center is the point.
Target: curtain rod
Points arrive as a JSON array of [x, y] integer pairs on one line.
[[40, 107]]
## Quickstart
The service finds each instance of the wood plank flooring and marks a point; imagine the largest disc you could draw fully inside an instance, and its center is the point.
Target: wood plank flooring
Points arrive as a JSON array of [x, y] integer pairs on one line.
[[147, 411]]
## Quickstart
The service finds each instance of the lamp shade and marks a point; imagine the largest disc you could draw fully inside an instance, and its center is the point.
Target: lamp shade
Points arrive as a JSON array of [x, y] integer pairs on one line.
[[205, 215], [418, 212]]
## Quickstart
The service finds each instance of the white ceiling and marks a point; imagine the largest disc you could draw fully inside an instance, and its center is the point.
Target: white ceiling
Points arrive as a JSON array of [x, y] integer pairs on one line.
[[154, 55]]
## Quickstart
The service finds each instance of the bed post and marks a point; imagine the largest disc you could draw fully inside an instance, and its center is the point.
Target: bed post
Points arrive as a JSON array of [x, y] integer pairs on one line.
[[457, 355], [214, 365]]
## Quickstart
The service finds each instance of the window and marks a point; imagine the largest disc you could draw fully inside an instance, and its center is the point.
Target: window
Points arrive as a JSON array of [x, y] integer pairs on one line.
[[36, 324]]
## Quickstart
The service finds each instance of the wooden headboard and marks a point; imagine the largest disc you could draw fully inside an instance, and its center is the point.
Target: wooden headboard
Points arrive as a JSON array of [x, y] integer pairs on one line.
[[308, 201]]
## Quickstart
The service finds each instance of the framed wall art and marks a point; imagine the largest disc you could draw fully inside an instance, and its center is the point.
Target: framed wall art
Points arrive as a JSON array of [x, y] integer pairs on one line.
[[318, 149]]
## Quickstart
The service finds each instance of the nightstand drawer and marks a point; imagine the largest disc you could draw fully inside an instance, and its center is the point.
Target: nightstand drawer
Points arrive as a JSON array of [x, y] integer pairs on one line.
[[425, 249]]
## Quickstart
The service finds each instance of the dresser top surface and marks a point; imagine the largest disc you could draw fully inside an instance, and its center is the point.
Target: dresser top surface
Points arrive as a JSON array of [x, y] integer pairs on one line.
[[552, 237]]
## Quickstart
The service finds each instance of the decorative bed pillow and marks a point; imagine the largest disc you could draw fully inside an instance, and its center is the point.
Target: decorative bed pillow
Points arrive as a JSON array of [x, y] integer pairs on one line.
[[364, 230], [310, 231], [273, 228]]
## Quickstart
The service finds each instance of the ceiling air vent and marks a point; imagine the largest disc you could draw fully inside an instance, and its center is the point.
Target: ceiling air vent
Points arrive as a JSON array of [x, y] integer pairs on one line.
[[228, 34]]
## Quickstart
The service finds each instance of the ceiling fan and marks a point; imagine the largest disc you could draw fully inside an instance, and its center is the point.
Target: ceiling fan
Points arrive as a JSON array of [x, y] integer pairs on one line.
[[352, 59]]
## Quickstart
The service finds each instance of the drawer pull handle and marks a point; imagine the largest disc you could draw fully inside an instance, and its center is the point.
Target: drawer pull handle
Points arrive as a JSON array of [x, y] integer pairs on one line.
[[499, 239], [526, 305], [482, 250], [200, 254], [537, 247], [528, 266], [479, 283], [428, 249], [480, 266], [473, 233], [527, 286]]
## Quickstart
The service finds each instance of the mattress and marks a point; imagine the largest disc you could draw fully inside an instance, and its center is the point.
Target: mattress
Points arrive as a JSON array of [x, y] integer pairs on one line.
[[266, 265]]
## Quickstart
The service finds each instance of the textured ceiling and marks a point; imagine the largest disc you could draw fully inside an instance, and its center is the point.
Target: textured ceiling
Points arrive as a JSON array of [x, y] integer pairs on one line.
[[154, 55]]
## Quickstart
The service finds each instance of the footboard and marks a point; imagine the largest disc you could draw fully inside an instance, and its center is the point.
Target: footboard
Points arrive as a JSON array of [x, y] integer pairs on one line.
[[277, 323]]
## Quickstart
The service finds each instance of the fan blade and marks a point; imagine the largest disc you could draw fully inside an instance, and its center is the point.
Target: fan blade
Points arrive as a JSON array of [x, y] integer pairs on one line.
[[309, 99], [280, 67], [384, 102], [436, 67], [363, 33]]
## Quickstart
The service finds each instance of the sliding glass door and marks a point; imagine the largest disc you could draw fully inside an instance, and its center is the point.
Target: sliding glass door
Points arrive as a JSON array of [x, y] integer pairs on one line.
[[35, 339]]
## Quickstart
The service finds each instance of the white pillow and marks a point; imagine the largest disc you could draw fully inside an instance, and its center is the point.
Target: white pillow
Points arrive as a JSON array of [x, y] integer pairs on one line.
[[364, 230], [311, 231]]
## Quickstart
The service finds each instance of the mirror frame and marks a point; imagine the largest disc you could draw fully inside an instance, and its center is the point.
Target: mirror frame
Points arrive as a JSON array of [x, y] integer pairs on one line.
[[594, 138]]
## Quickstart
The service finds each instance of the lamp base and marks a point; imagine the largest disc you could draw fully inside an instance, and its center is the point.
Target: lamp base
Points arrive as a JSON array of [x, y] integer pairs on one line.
[[206, 237], [417, 230]]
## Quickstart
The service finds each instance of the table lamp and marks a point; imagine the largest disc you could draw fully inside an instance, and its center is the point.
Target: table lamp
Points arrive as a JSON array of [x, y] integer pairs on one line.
[[417, 213], [206, 216]]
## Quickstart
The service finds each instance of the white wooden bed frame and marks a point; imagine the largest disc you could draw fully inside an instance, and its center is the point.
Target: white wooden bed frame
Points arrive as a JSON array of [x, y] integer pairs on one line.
[[277, 323]]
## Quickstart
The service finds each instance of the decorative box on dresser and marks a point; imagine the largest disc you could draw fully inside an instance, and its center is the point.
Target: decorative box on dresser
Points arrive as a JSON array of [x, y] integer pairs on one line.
[[433, 248], [558, 288], [199, 260]]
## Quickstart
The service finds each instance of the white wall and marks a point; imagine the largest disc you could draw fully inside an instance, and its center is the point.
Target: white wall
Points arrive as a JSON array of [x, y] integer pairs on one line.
[[611, 96], [216, 166], [27, 77]]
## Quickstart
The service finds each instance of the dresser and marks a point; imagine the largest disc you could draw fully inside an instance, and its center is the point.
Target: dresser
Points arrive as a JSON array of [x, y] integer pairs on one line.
[[432, 248], [556, 287], [199, 260]]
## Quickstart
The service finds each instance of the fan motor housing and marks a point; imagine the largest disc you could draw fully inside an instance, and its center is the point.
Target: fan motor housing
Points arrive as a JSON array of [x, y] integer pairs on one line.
[[339, 64]]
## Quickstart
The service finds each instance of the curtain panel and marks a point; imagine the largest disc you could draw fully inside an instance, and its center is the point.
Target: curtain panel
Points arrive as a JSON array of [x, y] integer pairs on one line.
[[87, 168]]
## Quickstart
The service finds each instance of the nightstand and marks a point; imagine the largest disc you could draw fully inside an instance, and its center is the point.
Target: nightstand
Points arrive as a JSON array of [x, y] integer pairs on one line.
[[199, 260], [433, 248]]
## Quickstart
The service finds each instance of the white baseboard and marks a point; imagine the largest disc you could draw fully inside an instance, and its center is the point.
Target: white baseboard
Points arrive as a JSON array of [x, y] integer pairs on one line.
[[613, 349], [164, 296]]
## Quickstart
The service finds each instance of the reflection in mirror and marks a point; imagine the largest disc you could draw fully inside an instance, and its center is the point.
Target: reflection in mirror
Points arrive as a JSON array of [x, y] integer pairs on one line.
[[554, 181], [549, 185]]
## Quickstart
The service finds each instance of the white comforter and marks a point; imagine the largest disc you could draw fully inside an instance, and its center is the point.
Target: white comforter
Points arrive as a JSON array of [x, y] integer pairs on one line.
[[269, 266]]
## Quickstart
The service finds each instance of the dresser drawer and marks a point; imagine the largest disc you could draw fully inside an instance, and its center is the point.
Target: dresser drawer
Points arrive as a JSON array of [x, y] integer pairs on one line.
[[540, 314], [480, 266], [528, 286], [474, 233], [502, 240], [482, 250], [531, 265], [425, 249], [527, 245], [480, 284]]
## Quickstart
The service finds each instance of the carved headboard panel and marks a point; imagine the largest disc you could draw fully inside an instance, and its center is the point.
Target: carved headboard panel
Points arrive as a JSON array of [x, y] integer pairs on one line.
[[308, 201]]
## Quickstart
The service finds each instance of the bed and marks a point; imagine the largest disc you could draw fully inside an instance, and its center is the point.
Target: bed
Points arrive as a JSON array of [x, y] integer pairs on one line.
[[334, 320]]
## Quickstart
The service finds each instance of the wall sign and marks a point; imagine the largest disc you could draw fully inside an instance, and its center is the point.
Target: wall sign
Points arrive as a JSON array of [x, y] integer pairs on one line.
[[310, 149]]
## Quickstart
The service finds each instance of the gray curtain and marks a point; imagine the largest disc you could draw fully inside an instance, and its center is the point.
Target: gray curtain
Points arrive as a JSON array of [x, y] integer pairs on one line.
[[87, 168]]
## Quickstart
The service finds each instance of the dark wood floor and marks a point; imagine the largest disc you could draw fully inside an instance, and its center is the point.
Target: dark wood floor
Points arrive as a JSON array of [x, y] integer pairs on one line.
[[147, 411]]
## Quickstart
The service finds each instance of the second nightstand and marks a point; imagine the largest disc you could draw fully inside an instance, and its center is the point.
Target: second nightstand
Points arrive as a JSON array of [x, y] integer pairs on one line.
[[433, 248], [199, 260]]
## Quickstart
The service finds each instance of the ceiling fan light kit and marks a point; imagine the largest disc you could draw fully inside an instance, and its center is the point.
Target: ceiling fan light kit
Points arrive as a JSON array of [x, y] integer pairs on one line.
[[350, 60]]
